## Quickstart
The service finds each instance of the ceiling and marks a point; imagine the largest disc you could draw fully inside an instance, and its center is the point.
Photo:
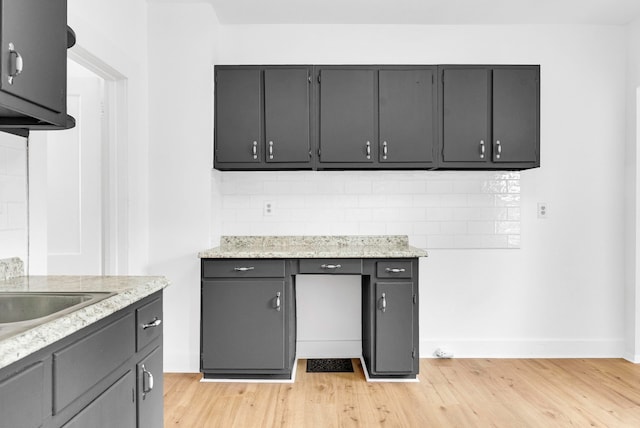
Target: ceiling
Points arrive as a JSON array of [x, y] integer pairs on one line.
[[430, 12]]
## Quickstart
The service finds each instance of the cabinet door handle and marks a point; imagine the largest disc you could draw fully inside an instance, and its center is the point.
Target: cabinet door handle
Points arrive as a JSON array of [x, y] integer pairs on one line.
[[16, 64], [254, 150], [155, 323], [278, 301], [330, 266], [384, 150], [395, 270], [499, 148], [368, 148], [482, 149], [147, 380], [243, 268], [383, 303], [270, 149]]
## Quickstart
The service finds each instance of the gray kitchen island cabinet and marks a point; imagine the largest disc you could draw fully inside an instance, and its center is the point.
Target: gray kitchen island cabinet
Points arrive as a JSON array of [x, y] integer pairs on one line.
[[106, 374], [490, 117], [376, 117], [262, 117]]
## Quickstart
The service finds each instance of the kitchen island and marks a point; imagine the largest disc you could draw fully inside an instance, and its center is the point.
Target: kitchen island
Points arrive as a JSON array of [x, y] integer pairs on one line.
[[93, 366], [248, 306]]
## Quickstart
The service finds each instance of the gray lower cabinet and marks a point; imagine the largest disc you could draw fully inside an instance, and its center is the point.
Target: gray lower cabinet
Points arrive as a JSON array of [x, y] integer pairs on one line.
[[100, 376], [247, 311], [490, 117]]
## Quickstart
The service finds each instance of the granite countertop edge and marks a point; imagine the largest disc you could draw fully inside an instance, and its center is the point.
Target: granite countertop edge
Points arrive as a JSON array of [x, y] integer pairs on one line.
[[267, 253], [127, 290]]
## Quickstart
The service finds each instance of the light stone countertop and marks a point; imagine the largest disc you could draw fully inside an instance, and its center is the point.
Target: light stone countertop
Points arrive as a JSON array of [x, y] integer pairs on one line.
[[127, 289], [282, 247]]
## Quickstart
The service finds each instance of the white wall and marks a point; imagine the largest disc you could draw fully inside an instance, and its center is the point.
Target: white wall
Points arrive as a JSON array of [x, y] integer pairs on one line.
[[13, 197], [562, 293], [181, 40], [632, 197]]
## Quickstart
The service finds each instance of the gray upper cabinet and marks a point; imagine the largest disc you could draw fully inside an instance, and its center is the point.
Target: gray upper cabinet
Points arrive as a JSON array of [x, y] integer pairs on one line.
[[490, 117], [407, 106], [347, 115], [33, 63], [262, 117]]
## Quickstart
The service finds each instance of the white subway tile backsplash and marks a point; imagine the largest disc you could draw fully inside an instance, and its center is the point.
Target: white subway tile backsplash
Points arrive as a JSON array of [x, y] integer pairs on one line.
[[443, 209]]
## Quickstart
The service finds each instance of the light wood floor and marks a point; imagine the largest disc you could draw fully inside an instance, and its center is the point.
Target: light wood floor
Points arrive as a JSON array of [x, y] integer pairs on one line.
[[451, 393]]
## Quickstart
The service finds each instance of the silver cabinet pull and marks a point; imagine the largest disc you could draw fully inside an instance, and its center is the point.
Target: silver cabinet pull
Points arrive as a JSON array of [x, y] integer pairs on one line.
[[278, 301], [16, 64], [368, 147], [395, 270], [499, 147], [383, 304], [155, 323], [254, 150], [270, 149], [482, 149], [330, 266], [243, 268], [384, 150], [147, 385]]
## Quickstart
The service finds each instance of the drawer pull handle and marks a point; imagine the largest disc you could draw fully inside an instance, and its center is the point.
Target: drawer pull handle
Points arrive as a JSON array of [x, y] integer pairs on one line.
[[330, 266], [16, 63], [270, 149], [243, 269], [383, 304], [148, 376], [155, 323], [395, 270], [278, 301], [482, 149], [384, 150], [499, 147], [254, 150], [368, 149]]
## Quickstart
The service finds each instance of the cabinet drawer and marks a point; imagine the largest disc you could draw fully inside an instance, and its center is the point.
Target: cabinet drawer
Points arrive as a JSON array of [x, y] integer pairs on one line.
[[331, 266], [80, 366], [148, 323], [394, 269], [243, 268]]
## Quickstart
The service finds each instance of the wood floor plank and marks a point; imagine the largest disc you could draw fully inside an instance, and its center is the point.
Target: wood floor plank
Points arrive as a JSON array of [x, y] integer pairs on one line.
[[451, 393]]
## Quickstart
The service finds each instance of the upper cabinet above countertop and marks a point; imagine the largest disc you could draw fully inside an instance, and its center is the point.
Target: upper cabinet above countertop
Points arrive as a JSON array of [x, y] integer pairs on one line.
[[349, 117], [33, 65]]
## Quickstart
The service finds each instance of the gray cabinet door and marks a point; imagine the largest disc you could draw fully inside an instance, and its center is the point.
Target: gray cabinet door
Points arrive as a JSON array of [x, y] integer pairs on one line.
[[37, 30], [150, 390], [286, 111], [466, 104], [238, 115], [406, 115], [113, 408], [243, 324], [515, 115], [347, 115], [394, 347]]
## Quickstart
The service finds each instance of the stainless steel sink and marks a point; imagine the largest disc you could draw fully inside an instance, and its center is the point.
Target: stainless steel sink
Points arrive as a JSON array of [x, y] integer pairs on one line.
[[20, 311]]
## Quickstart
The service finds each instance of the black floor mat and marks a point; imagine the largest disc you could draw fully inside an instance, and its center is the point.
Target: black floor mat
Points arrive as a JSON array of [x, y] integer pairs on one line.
[[329, 365]]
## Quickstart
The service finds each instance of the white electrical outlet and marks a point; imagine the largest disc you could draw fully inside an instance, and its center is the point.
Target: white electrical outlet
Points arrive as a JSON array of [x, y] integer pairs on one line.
[[543, 210], [267, 208]]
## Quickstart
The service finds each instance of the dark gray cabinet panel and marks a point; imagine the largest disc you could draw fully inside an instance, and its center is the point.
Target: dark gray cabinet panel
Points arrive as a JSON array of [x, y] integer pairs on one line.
[[23, 398], [406, 115], [331, 266], [150, 390], [148, 324], [287, 115], [113, 408], [465, 112], [243, 268], [238, 115], [394, 327], [347, 115], [515, 115], [243, 324], [490, 117]]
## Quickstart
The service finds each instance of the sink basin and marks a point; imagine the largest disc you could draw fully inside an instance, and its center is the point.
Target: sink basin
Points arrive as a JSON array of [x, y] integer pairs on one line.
[[20, 311]]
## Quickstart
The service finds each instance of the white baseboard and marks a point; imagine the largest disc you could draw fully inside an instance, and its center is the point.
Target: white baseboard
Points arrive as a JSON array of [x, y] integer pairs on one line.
[[328, 348], [631, 357], [502, 348]]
